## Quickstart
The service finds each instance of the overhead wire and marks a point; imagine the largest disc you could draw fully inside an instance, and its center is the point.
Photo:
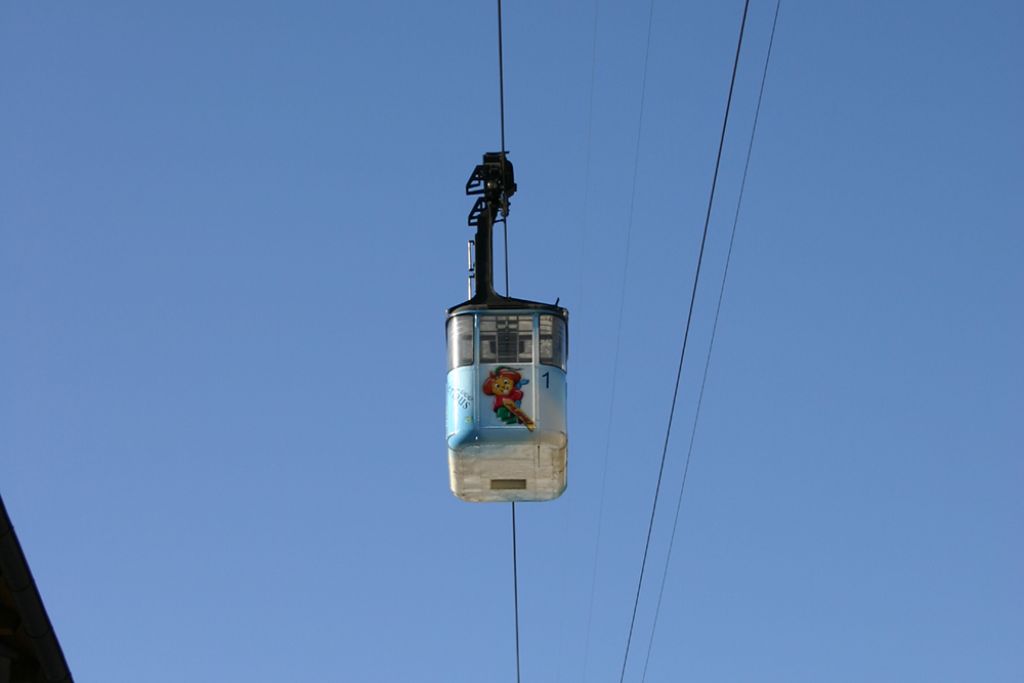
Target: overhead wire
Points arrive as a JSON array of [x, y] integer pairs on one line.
[[686, 336], [581, 291], [618, 334], [515, 584], [711, 343], [501, 79], [501, 108], [504, 222]]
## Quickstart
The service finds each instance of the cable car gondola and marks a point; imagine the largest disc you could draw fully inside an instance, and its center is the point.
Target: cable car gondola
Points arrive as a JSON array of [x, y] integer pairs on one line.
[[506, 393]]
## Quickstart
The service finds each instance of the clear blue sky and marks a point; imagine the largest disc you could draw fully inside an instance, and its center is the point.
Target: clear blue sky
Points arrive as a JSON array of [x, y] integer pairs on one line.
[[228, 234]]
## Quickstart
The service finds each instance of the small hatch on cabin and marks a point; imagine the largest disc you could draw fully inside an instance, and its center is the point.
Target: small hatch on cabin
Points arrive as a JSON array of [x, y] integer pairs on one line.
[[506, 484]]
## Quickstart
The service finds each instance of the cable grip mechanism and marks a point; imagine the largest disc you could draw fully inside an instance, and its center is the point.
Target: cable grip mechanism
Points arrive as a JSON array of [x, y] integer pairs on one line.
[[494, 183]]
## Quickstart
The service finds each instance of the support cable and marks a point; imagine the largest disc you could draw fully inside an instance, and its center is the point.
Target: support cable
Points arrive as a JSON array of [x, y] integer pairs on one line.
[[686, 336], [585, 224], [515, 585], [711, 344], [618, 336], [501, 79], [504, 223], [501, 108]]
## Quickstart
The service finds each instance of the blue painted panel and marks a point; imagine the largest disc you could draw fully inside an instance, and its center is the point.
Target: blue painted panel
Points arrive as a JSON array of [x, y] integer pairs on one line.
[[461, 401], [504, 403]]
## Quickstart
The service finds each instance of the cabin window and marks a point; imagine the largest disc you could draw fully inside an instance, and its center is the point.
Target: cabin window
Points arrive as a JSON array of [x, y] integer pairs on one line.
[[460, 341], [506, 339], [552, 341]]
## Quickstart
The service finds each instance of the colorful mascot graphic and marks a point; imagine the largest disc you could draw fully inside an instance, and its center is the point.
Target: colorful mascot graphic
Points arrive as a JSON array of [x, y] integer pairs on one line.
[[505, 385]]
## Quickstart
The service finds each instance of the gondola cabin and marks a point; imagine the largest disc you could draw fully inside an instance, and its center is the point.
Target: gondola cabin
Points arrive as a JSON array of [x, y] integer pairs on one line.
[[506, 424], [506, 389]]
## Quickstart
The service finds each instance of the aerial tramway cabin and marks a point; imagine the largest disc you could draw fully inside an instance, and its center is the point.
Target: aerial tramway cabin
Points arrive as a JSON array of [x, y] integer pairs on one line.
[[506, 389]]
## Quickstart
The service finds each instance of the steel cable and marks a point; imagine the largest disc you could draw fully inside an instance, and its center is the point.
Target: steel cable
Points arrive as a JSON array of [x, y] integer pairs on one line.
[[618, 333], [711, 343], [686, 336]]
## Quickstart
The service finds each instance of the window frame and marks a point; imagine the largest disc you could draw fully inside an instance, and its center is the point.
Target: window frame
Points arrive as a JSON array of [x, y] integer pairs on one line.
[[559, 355], [455, 321], [503, 326]]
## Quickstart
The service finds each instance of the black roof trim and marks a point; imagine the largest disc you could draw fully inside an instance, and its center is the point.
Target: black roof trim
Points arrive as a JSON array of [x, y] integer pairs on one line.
[[498, 302]]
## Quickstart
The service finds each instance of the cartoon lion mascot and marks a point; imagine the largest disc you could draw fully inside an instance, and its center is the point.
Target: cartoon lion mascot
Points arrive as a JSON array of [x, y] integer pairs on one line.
[[505, 385]]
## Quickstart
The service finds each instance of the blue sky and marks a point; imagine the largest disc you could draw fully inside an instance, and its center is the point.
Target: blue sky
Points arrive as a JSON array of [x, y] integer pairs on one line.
[[229, 233]]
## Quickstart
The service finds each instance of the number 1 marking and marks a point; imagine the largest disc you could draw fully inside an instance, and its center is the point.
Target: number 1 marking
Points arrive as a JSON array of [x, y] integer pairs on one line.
[[547, 380]]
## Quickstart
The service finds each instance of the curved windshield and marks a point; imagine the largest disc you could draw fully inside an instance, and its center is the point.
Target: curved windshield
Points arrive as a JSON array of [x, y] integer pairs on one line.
[[552, 341], [506, 338], [460, 341]]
